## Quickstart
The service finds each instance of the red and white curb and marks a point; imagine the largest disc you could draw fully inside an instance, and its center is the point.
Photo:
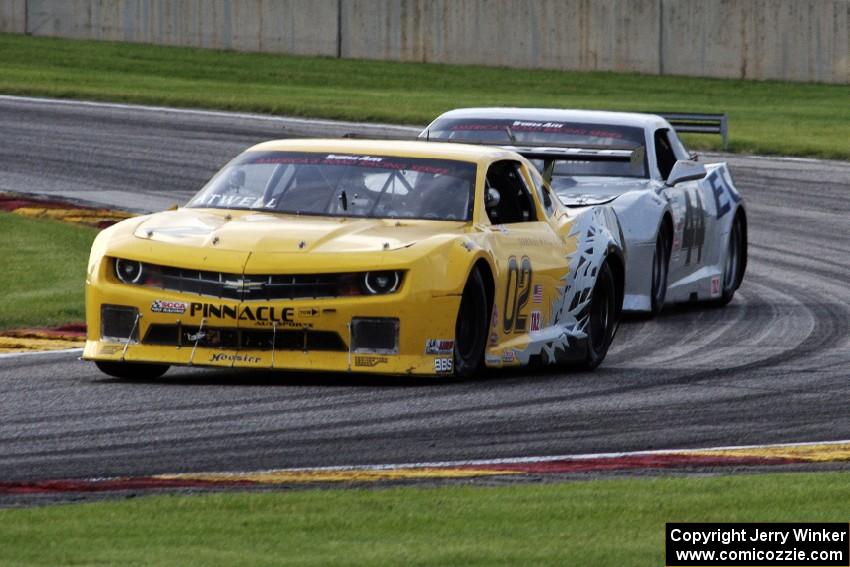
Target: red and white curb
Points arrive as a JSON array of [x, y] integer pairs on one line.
[[707, 458]]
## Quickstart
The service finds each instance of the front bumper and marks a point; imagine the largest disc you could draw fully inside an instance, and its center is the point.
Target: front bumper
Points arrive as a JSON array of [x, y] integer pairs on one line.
[[213, 332]]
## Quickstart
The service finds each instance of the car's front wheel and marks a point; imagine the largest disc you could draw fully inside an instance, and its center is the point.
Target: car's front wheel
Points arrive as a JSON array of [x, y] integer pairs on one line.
[[473, 321], [603, 318], [131, 370]]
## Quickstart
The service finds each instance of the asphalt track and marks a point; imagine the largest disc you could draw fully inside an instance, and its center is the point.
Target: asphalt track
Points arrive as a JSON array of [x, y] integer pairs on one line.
[[772, 367]]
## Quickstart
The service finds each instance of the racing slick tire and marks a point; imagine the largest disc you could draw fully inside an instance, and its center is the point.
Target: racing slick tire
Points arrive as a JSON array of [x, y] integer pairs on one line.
[[603, 318], [660, 271], [131, 370], [473, 322], [735, 264]]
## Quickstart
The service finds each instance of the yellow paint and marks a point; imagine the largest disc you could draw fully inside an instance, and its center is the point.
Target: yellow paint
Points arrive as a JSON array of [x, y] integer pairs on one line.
[[435, 256], [811, 453], [283, 477], [25, 344]]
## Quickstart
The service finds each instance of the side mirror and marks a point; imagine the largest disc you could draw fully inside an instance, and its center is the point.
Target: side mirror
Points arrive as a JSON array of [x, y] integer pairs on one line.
[[492, 197], [685, 170]]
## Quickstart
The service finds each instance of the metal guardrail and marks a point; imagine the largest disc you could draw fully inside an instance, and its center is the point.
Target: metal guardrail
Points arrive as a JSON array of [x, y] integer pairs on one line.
[[698, 124]]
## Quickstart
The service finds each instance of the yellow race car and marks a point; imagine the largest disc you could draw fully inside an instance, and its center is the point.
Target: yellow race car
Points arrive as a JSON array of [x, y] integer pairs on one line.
[[358, 256]]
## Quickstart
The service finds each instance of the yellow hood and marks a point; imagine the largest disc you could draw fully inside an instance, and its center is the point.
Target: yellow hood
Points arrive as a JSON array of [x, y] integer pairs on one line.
[[259, 232]]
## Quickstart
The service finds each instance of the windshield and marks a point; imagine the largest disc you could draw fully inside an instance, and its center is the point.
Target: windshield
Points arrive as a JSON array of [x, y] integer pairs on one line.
[[516, 132], [343, 185], [537, 132]]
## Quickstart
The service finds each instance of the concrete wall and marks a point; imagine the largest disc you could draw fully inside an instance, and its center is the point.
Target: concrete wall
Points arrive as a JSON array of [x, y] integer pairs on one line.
[[13, 16], [304, 27], [560, 34], [800, 40]]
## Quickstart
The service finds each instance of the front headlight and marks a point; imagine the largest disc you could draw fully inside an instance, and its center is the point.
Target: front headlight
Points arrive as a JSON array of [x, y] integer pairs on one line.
[[380, 283], [129, 271]]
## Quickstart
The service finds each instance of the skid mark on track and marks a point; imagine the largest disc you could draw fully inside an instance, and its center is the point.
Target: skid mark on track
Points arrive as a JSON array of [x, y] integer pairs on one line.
[[771, 366]]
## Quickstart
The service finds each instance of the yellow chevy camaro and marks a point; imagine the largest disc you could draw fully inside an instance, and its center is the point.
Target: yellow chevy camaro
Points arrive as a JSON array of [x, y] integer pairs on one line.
[[358, 256]]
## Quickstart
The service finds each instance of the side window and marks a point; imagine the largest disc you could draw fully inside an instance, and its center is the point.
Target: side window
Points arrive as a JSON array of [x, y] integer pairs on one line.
[[678, 147], [543, 192], [510, 200], [664, 155]]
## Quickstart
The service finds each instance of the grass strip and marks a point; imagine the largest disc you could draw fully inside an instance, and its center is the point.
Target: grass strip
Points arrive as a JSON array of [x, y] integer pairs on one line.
[[601, 522], [768, 117], [44, 270]]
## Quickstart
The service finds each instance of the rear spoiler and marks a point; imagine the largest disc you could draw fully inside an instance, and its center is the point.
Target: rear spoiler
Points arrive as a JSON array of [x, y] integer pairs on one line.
[[698, 124], [590, 153], [551, 153]]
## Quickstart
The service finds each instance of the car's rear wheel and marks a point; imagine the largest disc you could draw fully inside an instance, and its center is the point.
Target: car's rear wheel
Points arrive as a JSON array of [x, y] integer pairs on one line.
[[473, 321], [132, 370], [733, 267], [603, 318], [660, 270]]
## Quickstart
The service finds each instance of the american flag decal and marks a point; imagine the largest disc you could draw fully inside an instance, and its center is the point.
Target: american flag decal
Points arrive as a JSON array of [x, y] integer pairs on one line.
[[537, 296]]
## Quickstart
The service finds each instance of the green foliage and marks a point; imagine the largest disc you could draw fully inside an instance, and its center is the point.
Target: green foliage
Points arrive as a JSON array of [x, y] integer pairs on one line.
[[600, 522], [44, 271]]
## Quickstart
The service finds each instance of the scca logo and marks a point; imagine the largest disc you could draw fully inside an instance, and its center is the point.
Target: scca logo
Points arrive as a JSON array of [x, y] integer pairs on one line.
[[164, 306]]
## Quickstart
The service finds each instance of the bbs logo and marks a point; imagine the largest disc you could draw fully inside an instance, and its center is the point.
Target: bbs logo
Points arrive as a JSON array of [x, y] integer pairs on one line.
[[443, 365]]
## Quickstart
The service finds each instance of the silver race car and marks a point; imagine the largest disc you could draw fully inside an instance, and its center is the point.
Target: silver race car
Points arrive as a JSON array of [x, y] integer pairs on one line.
[[684, 223]]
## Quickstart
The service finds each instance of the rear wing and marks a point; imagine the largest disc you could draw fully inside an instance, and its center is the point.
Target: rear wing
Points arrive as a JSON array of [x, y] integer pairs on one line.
[[698, 124], [572, 152], [551, 153], [546, 151]]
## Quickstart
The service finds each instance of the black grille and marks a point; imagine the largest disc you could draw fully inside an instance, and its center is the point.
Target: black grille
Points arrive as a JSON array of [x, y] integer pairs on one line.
[[248, 339], [375, 335], [118, 322], [249, 287]]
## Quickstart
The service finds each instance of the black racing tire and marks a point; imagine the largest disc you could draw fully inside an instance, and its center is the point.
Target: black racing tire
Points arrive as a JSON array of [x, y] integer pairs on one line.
[[735, 264], [603, 318], [473, 323], [660, 270], [132, 370]]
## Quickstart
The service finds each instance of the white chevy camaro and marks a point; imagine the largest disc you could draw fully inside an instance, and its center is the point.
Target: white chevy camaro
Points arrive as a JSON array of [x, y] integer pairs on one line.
[[684, 222]]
